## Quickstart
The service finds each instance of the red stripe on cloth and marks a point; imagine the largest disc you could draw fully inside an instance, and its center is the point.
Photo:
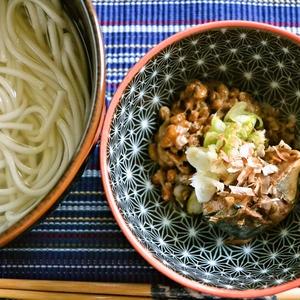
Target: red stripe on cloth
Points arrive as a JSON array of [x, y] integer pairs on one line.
[[114, 85]]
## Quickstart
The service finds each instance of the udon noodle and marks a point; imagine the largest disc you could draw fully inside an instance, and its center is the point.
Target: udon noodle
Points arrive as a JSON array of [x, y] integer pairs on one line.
[[44, 101]]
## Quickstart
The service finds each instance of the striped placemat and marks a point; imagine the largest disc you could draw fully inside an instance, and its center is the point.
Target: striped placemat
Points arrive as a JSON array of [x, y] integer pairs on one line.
[[80, 240]]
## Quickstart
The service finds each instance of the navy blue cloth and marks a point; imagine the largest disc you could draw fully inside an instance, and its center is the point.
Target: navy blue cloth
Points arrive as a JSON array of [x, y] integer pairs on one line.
[[80, 240]]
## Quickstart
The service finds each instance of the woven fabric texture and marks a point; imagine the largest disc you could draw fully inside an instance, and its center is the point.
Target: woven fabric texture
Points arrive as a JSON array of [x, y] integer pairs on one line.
[[80, 240]]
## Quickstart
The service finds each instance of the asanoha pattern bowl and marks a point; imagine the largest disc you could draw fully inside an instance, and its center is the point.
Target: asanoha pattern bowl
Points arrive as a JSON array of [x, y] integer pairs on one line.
[[256, 58]]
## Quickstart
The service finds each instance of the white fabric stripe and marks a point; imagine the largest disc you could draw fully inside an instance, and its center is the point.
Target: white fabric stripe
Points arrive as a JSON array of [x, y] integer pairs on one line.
[[117, 70], [91, 173], [79, 266], [89, 202], [129, 46], [69, 249], [109, 98], [121, 60], [77, 223], [87, 192], [86, 202], [141, 28], [124, 54], [291, 3], [114, 74], [82, 208], [114, 80], [162, 28]]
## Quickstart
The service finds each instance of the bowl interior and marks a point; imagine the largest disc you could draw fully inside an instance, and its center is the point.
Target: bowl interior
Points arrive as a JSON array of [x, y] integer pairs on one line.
[[262, 63]]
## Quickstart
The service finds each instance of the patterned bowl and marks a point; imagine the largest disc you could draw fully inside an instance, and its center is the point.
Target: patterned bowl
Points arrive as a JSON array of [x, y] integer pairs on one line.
[[257, 58]]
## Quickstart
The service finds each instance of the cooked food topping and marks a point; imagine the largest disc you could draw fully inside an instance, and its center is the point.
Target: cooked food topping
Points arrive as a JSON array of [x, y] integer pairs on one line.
[[221, 155]]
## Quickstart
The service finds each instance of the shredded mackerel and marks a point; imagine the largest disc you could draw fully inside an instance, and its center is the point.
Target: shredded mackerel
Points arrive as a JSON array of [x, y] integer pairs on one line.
[[240, 190], [251, 172]]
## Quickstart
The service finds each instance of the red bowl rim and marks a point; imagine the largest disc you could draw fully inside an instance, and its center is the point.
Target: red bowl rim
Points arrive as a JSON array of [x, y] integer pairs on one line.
[[145, 253]]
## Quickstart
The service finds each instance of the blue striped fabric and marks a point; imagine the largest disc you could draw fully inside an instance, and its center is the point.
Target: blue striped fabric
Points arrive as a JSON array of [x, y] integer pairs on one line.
[[80, 240]]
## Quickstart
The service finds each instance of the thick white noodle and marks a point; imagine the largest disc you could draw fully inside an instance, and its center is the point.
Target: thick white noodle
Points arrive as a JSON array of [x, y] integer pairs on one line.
[[23, 75], [72, 58], [69, 72], [54, 42], [14, 125], [35, 23], [11, 92], [6, 105], [64, 82], [44, 101], [2, 52], [42, 20], [53, 114], [79, 47]]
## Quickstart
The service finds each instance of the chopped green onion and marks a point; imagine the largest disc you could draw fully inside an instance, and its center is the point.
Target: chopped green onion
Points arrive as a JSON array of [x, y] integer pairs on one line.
[[217, 124], [193, 206], [237, 128], [211, 137]]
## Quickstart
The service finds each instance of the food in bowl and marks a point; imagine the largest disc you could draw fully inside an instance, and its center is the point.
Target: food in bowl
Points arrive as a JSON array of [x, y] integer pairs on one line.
[[45, 102], [224, 155]]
